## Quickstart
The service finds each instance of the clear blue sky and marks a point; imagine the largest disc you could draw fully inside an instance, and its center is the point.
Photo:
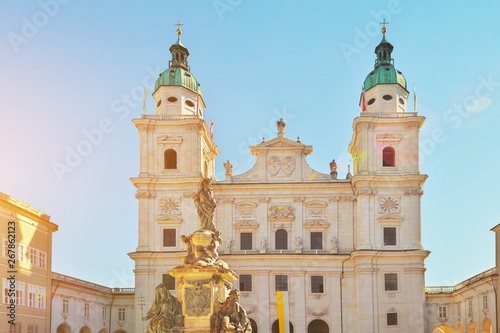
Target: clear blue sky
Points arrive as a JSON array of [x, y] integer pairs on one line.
[[69, 69]]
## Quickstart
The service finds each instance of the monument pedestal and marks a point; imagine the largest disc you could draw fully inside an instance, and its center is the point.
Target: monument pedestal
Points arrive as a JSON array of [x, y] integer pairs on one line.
[[200, 289]]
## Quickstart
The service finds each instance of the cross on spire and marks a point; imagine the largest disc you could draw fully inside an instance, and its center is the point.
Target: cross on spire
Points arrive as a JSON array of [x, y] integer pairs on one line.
[[179, 24], [384, 23]]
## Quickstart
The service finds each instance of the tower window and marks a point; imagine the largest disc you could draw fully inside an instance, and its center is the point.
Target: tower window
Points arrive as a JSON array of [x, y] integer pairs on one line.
[[371, 101], [189, 103], [170, 159], [391, 281], [392, 319], [158, 103], [246, 241], [281, 239], [317, 286], [316, 241], [390, 236], [387, 97], [169, 237], [389, 157], [172, 99], [169, 281]]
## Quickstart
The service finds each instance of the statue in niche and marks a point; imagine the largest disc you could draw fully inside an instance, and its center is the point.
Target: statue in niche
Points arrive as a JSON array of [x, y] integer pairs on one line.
[[231, 316], [334, 245], [165, 313], [229, 168], [204, 201], [263, 244], [298, 244]]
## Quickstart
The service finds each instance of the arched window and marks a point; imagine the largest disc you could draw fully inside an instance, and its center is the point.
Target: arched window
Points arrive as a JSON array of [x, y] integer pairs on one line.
[[275, 328], [318, 326], [389, 157], [281, 239], [254, 326], [170, 159]]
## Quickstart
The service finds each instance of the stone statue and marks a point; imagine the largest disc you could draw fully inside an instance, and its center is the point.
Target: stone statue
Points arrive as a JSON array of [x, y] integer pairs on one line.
[[263, 244], [334, 245], [281, 127], [333, 169], [229, 246], [205, 204], [231, 316], [229, 168], [298, 243], [165, 313]]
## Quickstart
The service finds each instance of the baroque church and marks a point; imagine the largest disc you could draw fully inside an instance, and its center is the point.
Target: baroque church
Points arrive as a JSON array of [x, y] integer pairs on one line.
[[346, 249]]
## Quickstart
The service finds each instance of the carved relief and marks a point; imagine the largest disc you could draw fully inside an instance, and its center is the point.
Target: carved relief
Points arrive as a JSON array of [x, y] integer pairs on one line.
[[169, 139], [170, 205], [197, 301], [281, 213], [245, 210], [288, 165], [316, 209], [414, 191], [264, 199], [273, 165], [145, 194], [317, 313], [317, 223]]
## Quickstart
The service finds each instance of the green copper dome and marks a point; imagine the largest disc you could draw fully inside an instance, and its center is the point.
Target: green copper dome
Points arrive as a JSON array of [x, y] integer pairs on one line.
[[384, 72], [177, 74]]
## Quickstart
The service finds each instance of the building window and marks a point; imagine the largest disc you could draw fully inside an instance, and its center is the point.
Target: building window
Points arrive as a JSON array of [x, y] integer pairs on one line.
[[281, 239], [32, 289], [86, 309], [389, 157], [170, 159], [443, 312], [391, 281], [20, 293], [33, 256], [245, 282], [390, 236], [15, 328], [317, 286], [5, 247], [121, 314], [32, 328], [246, 241], [169, 237], [316, 241], [392, 319], [65, 306], [21, 251], [41, 297], [41, 259], [169, 281], [485, 302], [104, 311], [281, 282]]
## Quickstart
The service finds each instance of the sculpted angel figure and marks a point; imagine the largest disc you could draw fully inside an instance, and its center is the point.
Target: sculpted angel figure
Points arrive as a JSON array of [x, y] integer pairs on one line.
[[164, 313], [204, 201], [231, 317]]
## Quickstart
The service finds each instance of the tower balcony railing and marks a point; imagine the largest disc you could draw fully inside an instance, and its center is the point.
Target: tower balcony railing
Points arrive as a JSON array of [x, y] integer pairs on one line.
[[389, 114], [169, 117]]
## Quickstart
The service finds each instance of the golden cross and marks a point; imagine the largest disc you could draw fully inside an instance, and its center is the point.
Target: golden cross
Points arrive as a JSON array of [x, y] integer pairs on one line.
[[384, 23], [179, 24]]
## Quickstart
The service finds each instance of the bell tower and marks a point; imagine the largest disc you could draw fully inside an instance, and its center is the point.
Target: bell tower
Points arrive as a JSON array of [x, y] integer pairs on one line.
[[176, 153], [388, 186]]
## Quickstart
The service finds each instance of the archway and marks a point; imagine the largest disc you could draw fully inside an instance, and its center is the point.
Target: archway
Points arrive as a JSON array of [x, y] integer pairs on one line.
[[85, 329], [275, 328], [487, 326], [103, 330], [63, 328], [318, 326], [471, 328], [460, 328], [443, 329], [254, 325]]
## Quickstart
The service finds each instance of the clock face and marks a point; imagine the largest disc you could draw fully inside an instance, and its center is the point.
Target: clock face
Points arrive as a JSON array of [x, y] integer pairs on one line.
[[169, 206], [389, 205]]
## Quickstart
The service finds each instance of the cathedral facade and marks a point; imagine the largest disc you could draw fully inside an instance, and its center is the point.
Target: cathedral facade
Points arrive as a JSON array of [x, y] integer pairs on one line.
[[346, 249]]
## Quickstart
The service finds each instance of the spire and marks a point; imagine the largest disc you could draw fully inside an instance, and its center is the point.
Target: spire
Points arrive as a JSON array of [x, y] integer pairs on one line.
[[384, 49], [179, 52]]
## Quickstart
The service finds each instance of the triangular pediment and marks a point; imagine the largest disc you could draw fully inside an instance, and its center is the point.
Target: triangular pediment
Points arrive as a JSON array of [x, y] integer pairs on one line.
[[390, 218], [281, 143], [168, 219]]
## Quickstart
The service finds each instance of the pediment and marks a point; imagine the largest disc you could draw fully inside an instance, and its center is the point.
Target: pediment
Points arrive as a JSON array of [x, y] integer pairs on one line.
[[169, 139], [317, 223], [281, 143], [246, 205], [316, 204], [246, 224], [390, 218], [167, 218]]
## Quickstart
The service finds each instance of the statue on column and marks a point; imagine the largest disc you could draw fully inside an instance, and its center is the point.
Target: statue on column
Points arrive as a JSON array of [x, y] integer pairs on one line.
[[333, 169], [231, 316], [229, 168], [165, 313], [281, 127], [205, 204]]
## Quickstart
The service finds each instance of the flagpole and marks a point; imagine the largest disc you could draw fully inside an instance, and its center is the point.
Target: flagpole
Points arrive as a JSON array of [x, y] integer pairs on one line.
[[414, 98]]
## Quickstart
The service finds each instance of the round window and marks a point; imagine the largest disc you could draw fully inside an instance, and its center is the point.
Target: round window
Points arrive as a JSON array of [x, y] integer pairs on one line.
[[172, 99], [189, 103], [371, 101], [387, 97], [159, 103], [401, 101]]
